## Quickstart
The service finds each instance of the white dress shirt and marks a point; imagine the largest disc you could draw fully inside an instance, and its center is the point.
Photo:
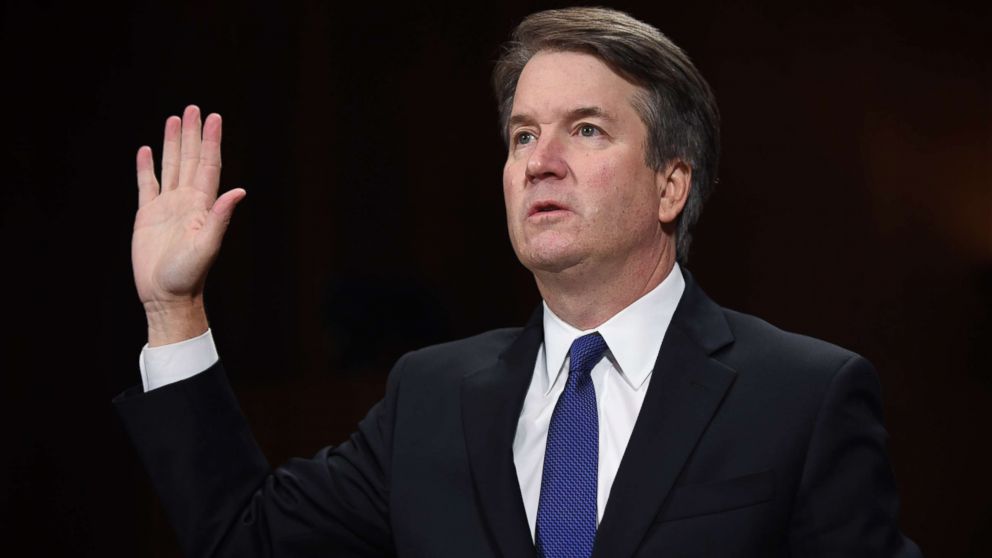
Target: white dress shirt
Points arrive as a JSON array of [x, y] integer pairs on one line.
[[633, 336]]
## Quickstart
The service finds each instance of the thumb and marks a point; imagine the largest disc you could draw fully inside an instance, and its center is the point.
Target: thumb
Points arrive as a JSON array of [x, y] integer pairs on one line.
[[220, 214]]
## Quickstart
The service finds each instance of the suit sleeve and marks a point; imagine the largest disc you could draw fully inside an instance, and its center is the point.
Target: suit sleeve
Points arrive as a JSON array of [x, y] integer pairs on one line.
[[847, 503], [223, 499]]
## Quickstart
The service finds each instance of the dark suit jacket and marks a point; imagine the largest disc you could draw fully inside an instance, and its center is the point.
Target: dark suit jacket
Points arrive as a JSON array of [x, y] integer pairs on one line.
[[751, 442]]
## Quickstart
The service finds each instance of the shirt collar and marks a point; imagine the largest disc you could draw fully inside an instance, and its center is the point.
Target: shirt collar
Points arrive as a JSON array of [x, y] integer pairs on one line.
[[633, 335]]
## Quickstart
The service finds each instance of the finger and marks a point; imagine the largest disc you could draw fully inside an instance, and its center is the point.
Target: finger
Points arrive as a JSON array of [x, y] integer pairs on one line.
[[147, 185], [208, 172], [189, 151], [170, 154], [220, 215]]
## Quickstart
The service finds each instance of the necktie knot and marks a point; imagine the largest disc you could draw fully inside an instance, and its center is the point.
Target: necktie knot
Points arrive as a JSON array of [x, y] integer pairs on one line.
[[585, 353]]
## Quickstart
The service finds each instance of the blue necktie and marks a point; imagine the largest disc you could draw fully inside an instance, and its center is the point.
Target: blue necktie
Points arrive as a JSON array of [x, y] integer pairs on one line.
[[566, 511]]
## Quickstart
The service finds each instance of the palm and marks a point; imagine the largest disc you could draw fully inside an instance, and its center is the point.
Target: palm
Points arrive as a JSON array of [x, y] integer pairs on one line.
[[168, 248], [178, 230]]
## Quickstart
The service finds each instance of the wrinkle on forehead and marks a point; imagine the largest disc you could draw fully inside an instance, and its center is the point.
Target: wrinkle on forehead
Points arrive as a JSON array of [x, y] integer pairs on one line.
[[554, 84], [578, 113]]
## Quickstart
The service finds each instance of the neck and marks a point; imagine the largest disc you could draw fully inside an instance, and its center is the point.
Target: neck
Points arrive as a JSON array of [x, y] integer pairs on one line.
[[585, 298]]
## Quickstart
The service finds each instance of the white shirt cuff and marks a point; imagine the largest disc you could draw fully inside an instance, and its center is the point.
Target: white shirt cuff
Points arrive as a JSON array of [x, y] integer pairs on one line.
[[166, 364]]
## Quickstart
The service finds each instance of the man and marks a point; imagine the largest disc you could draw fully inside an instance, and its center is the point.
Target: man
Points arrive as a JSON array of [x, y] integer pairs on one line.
[[632, 416]]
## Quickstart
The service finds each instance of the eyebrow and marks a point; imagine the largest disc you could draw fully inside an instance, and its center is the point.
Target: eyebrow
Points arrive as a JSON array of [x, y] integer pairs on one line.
[[574, 114]]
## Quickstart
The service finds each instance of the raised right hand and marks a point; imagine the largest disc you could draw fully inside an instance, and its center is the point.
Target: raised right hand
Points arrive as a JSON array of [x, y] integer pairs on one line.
[[178, 229]]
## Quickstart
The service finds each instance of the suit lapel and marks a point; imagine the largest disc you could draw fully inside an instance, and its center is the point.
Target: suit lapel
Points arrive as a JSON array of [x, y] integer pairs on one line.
[[492, 399], [686, 389]]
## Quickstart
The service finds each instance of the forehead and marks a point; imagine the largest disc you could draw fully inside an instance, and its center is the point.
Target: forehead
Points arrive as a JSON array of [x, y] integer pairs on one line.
[[557, 82]]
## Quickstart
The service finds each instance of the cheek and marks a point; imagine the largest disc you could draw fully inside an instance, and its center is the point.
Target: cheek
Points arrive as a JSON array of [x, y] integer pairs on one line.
[[512, 199], [605, 176], [602, 178], [613, 190], [625, 191], [508, 185]]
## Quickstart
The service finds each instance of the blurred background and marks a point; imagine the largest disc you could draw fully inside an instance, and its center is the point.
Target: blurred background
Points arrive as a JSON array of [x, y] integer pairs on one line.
[[854, 205]]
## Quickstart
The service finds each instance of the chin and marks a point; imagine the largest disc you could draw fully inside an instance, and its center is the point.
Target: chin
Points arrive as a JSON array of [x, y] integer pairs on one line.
[[549, 260], [547, 252]]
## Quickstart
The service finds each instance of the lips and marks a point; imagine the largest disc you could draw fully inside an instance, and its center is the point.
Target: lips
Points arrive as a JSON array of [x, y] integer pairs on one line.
[[546, 207]]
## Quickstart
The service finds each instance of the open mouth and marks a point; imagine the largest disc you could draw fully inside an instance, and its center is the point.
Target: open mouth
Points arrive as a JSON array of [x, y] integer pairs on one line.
[[545, 207]]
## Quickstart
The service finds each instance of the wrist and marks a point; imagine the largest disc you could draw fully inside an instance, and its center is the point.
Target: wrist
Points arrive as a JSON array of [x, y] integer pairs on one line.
[[175, 321]]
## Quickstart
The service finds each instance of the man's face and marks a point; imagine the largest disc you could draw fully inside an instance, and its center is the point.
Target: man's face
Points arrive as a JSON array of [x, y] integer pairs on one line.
[[578, 193]]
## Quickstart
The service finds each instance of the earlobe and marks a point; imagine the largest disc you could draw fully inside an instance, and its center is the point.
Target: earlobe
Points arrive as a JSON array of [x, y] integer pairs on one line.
[[674, 182]]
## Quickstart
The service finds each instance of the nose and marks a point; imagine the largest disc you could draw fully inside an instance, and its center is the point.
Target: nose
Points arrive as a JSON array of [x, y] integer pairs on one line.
[[546, 160]]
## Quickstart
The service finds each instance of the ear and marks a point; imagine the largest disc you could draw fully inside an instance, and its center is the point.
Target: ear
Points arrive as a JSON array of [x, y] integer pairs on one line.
[[673, 182]]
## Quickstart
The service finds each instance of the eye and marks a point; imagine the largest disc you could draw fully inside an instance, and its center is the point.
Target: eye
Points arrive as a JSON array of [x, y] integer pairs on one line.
[[588, 130], [523, 138]]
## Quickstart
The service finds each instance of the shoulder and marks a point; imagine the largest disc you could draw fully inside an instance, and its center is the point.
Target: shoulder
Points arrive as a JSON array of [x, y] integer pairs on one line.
[[456, 358], [765, 355], [743, 341], [792, 382], [754, 338]]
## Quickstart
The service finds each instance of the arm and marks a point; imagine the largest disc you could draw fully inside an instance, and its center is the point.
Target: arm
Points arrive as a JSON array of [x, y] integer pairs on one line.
[[214, 482], [221, 496], [847, 502]]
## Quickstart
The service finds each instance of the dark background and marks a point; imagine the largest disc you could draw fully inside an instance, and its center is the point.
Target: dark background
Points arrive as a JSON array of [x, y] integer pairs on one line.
[[855, 205]]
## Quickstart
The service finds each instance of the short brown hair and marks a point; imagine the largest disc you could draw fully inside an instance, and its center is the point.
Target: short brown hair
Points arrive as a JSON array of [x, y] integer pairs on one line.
[[677, 106]]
